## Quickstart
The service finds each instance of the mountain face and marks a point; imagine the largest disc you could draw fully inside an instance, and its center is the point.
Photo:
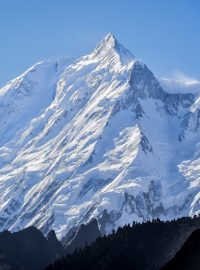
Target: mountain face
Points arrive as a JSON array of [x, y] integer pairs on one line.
[[97, 137]]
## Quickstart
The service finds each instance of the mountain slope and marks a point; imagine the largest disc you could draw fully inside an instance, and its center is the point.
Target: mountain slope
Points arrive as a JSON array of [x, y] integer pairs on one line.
[[188, 256], [96, 137]]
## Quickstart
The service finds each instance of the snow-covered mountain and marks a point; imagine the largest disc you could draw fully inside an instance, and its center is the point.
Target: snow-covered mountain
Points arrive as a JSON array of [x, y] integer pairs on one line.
[[97, 137]]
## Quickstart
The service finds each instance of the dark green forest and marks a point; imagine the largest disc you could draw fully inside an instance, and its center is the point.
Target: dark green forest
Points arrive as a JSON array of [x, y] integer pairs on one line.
[[149, 245]]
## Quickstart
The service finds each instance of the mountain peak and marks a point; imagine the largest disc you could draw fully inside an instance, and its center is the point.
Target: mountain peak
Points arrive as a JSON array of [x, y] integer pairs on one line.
[[107, 43], [110, 40], [110, 45]]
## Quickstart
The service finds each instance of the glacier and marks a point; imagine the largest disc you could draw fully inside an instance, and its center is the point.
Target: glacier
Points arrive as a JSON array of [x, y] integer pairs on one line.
[[98, 136]]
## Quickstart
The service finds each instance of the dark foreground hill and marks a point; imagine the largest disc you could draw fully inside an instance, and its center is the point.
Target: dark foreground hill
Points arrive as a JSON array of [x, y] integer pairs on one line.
[[28, 249], [148, 245], [141, 246], [188, 257]]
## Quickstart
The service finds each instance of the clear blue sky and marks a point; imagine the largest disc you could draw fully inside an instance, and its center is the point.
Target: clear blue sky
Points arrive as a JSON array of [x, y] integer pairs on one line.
[[165, 34]]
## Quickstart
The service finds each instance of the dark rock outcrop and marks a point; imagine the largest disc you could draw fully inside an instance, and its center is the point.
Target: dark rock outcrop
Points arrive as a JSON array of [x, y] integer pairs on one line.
[[85, 235], [28, 249]]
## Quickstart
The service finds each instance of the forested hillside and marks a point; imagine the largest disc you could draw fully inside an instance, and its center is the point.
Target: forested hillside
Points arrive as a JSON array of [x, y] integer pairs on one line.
[[148, 245]]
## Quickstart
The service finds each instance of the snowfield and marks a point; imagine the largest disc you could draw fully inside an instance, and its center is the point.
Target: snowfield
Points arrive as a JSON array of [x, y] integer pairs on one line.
[[97, 136]]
